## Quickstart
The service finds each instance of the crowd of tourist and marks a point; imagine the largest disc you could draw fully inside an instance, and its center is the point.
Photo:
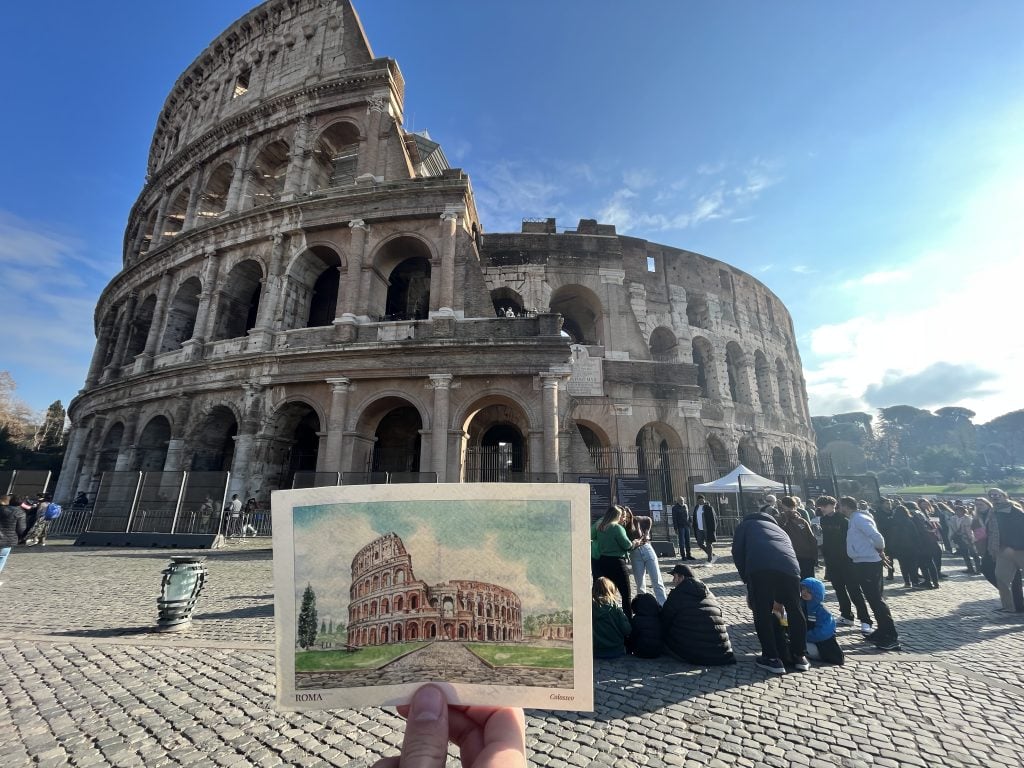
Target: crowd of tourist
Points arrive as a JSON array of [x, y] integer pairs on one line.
[[777, 552]]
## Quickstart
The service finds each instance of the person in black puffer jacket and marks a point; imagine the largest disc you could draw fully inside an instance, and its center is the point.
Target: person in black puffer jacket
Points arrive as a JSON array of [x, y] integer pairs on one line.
[[12, 528], [645, 641], [692, 624]]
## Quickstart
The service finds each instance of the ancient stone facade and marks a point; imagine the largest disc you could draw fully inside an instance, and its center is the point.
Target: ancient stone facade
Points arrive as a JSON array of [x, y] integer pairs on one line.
[[390, 605], [307, 287]]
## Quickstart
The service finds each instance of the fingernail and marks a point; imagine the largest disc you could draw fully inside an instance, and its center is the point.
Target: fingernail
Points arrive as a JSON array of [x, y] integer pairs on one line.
[[427, 704]]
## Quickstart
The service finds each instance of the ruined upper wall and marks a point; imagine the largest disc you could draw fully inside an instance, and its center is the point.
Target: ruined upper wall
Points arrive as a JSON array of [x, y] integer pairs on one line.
[[276, 48]]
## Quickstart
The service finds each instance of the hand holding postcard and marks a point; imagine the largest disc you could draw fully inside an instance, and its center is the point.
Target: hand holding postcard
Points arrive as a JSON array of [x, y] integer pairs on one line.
[[481, 588]]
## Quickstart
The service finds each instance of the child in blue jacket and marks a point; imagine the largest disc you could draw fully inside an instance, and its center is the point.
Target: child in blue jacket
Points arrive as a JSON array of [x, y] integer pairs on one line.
[[821, 626]]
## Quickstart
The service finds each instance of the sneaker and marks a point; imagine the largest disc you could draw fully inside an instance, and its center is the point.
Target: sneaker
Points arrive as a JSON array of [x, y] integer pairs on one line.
[[888, 644], [873, 636], [866, 628], [712, 559], [802, 664], [943, 576], [771, 665], [842, 621]]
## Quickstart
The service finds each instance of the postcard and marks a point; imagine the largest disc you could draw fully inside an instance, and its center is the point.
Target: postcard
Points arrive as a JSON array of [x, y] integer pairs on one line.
[[483, 588]]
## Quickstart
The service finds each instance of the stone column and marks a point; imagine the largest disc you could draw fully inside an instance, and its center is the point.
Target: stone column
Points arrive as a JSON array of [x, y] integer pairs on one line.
[[446, 297], [244, 442], [348, 288], [203, 313], [441, 383], [238, 179], [297, 161], [103, 341], [92, 456], [123, 331], [193, 199], [262, 334], [126, 451], [340, 388], [176, 445], [549, 406], [66, 485], [158, 223], [369, 158], [156, 325], [136, 245]]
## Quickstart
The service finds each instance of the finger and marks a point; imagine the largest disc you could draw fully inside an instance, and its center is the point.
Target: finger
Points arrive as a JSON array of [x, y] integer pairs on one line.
[[489, 736], [426, 730]]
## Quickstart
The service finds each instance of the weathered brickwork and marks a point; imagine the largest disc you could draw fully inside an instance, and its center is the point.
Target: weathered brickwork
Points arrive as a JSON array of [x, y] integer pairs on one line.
[[307, 287]]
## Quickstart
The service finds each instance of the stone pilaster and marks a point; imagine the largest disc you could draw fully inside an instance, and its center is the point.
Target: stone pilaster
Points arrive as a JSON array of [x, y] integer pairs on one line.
[[445, 301], [238, 179], [144, 362], [441, 384], [348, 288], [340, 387], [297, 160], [549, 405], [193, 199], [123, 332]]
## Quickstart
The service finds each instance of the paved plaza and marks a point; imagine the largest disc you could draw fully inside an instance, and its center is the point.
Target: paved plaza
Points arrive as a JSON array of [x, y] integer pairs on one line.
[[85, 681]]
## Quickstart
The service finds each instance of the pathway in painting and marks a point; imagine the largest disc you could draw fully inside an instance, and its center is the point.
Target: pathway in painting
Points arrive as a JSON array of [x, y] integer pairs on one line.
[[450, 661]]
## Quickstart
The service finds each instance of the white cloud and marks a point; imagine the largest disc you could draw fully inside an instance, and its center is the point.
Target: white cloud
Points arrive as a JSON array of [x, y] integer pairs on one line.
[[879, 277]]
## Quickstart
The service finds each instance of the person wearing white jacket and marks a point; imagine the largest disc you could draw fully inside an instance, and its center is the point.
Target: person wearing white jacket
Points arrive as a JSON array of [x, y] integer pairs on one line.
[[864, 545]]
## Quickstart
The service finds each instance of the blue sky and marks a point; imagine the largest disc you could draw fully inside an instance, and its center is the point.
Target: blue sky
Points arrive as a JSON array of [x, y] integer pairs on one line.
[[865, 160]]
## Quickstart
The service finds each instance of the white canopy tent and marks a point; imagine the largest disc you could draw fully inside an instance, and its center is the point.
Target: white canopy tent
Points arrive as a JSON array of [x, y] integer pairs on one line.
[[739, 480]]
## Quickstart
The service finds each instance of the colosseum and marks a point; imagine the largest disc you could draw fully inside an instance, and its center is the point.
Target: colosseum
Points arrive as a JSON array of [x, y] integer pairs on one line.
[[388, 604], [308, 296]]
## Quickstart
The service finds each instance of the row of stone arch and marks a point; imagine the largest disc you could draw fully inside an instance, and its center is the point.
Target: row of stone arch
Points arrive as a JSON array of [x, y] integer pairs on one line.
[[370, 609], [398, 632], [232, 182], [312, 296]]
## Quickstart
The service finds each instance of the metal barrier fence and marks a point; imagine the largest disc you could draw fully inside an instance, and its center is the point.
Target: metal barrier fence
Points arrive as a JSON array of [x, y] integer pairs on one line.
[[155, 502], [25, 483]]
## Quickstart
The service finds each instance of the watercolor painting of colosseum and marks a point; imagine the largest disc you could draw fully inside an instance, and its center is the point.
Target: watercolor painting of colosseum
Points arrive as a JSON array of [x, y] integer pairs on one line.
[[401, 585]]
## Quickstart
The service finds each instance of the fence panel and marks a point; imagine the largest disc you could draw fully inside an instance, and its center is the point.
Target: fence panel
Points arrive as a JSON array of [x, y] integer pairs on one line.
[[364, 478], [72, 522], [29, 483], [400, 478], [114, 501], [6, 480], [202, 502], [315, 479], [157, 502]]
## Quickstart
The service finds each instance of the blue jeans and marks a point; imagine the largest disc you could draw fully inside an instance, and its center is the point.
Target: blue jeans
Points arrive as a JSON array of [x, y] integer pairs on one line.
[[684, 541], [4, 552], [645, 564]]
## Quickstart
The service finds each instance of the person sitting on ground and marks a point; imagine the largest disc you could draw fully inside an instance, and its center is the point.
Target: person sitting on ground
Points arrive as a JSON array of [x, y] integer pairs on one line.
[[692, 625], [610, 625], [645, 639], [821, 625]]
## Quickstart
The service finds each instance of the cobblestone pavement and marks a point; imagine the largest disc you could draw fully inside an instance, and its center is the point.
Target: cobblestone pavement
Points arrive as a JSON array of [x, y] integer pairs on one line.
[[450, 661], [85, 682]]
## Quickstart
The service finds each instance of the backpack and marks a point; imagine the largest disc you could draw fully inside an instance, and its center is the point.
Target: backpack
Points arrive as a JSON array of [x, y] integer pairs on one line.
[[53, 511]]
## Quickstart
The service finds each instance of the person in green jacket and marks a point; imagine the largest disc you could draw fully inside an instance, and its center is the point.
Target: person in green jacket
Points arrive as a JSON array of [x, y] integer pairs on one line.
[[610, 548], [610, 625]]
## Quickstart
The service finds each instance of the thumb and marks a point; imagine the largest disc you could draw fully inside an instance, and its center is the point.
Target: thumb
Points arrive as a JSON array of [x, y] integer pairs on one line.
[[426, 730]]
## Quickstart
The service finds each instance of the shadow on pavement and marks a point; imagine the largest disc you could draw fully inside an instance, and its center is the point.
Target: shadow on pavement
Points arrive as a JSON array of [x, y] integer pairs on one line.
[[264, 610]]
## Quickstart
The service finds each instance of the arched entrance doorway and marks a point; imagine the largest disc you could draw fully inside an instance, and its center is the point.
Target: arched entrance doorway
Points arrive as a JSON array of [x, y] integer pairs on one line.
[[214, 443], [496, 445], [296, 445], [396, 446], [151, 453]]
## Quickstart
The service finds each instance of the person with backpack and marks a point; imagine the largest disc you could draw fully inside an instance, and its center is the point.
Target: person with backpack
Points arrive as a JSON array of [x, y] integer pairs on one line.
[[46, 512]]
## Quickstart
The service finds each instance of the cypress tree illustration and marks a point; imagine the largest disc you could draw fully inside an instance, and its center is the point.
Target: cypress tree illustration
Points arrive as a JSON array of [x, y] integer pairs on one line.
[[323, 627], [330, 627], [307, 618]]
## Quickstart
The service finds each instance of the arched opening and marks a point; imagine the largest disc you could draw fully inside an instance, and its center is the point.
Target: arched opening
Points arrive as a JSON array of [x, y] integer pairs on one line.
[[496, 448], [181, 315], [762, 374], [140, 328], [239, 301], [505, 299], [409, 290], [214, 199], [174, 216], [323, 303], [797, 462], [266, 182], [312, 297], [703, 358], [151, 453], [697, 313], [296, 444], [664, 347], [782, 380], [149, 230], [780, 467], [397, 441], [413, 631], [214, 443], [749, 455], [335, 157], [719, 455], [736, 369], [581, 313], [397, 633], [109, 449], [654, 442], [405, 294]]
